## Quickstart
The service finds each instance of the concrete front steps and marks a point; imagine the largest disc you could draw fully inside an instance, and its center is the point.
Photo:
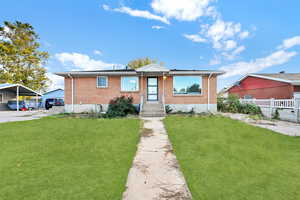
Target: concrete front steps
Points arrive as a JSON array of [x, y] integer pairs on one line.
[[152, 109]]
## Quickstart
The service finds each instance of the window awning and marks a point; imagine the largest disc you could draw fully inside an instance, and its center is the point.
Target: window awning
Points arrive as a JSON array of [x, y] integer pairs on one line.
[[23, 90]]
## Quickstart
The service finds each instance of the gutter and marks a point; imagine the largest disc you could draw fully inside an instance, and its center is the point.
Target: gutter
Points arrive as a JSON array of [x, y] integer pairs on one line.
[[72, 86]]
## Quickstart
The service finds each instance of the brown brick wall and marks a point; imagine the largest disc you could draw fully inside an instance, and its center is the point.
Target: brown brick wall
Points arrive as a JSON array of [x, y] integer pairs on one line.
[[86, 92], [296, 88]]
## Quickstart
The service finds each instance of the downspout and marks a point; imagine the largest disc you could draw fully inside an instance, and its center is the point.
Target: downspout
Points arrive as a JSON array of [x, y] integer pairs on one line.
[[208, 92], [72, 89]]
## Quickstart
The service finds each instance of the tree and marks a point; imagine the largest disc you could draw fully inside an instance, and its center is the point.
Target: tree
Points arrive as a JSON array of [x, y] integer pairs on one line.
[[193, 88], [137, 63], [20, 58]]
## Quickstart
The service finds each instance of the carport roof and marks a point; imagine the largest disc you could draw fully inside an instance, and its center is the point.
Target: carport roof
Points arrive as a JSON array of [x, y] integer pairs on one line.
[[23, 90]]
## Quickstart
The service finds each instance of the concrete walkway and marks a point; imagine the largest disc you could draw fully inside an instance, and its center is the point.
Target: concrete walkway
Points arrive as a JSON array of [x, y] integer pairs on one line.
[[282, 127], [12, 116], [155, 174]]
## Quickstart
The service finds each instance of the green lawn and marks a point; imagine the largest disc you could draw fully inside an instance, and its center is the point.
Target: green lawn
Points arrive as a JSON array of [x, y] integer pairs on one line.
[[66, 159], [227, 159]]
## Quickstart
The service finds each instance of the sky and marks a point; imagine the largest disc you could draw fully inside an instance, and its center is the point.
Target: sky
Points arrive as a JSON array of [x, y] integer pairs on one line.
[[238, 37]]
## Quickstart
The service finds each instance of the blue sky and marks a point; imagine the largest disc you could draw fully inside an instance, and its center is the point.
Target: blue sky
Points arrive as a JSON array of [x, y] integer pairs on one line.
[[236, 36]]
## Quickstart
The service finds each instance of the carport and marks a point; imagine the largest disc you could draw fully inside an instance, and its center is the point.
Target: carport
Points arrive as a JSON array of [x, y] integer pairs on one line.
[[14, 91]]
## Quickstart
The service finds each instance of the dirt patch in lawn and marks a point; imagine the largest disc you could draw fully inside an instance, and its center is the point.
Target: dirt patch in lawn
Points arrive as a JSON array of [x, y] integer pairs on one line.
[[147, 132]]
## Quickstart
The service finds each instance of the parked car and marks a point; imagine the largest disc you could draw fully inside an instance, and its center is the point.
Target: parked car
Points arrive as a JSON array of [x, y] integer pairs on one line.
[[32, 104], [13, 105], [53, 102]]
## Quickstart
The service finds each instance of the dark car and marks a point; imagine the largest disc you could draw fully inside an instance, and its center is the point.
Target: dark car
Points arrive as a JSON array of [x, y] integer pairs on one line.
[[13, 105], [53, 102]]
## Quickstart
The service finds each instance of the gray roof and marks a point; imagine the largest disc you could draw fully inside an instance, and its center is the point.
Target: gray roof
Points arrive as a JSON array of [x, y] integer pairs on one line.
[[23, 90], [152, 68], [284, 76]]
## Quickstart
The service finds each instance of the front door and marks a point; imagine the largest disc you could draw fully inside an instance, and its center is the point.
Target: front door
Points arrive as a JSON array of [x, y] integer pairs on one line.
[[152, 89]]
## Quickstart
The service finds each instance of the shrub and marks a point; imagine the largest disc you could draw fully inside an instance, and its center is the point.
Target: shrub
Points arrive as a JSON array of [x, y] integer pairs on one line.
[[121, 107], [276, 115], [232, 104], [168, 109]]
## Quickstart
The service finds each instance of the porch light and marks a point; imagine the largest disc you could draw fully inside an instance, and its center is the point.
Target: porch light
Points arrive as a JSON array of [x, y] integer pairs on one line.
[[164, 77]]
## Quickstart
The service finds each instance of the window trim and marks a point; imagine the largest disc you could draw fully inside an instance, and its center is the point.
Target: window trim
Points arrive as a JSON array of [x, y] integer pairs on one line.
[[201, 84], [138, 84], [106, 82]]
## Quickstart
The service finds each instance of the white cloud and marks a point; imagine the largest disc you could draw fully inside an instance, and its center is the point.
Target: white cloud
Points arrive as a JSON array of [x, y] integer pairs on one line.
[[222, 34], [137, 13], [157, 27], [238, 50], [56, 82], [105, 7], [244, 34], [232, 55], [290, 42], [230, 44], [240, 68], [187, 10], [215, 61], [98, 52], [194, 38], [83, 62]]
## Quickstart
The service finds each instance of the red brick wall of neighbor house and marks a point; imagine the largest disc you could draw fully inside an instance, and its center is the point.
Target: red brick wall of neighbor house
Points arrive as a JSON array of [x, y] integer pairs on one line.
[[296, 88], [260, 88], [86, 92]]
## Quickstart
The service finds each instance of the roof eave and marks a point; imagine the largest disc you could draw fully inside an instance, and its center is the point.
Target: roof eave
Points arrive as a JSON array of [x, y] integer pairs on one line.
[[196, 72], [66, 74]]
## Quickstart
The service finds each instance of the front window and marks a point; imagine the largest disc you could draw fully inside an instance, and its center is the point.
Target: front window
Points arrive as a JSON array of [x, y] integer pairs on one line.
[[129, 83], [187, 85], [102, 82], [1, 98]]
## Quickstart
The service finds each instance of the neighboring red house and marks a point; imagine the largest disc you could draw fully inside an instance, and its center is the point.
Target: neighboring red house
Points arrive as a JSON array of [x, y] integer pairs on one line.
[[266, 86]]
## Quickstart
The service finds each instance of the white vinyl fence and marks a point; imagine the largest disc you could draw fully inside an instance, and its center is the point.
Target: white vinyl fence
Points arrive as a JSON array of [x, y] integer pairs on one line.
[[289, 109]]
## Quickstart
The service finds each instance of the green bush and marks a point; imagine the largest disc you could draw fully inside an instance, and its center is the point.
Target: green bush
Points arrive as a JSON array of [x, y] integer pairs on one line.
[[168, 109], [233, 105], [121, 107], [276, 115]]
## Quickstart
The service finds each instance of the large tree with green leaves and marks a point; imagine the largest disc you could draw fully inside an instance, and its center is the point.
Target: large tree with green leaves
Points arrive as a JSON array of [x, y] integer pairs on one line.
[[140, 62], [20, 58]]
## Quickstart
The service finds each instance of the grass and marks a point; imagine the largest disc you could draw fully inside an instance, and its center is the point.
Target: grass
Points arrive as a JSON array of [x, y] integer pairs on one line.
[[227, 159], [66, 158]]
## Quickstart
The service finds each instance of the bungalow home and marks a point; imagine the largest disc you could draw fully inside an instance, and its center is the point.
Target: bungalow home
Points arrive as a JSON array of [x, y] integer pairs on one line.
[[152, 87], [265, 86]]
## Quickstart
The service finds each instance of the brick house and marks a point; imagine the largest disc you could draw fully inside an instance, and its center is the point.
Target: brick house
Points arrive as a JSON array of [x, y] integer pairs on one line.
[[266, 86], [152, 87]]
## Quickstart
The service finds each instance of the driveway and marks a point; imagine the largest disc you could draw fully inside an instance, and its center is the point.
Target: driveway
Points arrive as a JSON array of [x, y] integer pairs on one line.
[[11, 116]]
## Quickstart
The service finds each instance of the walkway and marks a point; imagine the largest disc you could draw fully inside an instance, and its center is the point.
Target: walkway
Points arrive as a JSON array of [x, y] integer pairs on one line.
[[12, 116], [283, 127], [155, 174]]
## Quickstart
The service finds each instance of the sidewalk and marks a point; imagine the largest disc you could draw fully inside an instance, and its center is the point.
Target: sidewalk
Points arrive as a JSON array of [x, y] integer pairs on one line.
[[155, 174], [283, 127]]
